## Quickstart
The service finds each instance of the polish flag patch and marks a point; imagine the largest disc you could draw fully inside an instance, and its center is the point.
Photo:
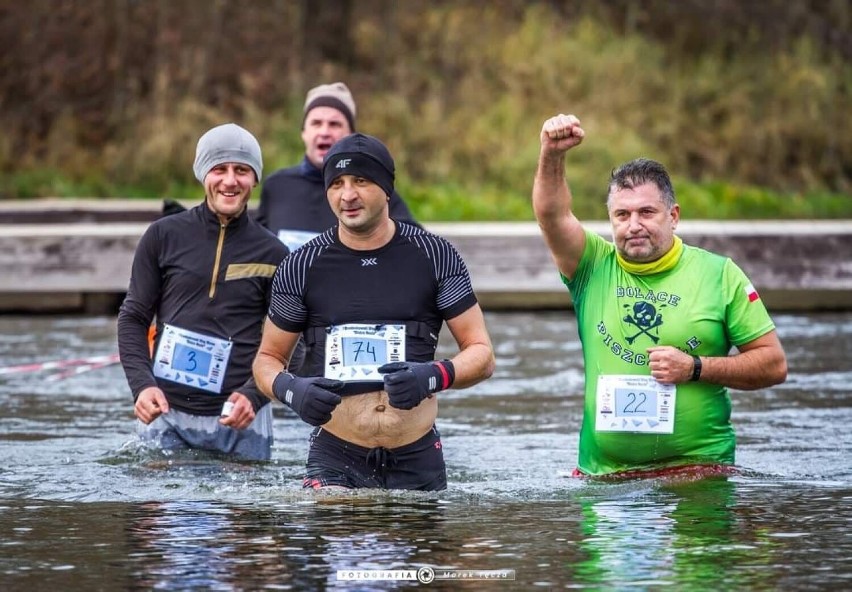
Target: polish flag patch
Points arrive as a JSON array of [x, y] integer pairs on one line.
[[751, 293]]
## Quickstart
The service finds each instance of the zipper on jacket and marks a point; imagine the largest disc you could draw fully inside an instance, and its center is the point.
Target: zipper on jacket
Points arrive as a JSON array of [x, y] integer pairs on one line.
[[217, 261]]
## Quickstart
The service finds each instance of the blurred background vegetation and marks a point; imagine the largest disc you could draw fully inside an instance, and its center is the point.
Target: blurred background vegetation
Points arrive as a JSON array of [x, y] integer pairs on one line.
[[746, 101]]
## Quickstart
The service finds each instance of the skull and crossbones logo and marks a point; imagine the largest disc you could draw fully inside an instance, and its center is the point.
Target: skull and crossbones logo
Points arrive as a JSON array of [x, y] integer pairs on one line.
[[645, 318]]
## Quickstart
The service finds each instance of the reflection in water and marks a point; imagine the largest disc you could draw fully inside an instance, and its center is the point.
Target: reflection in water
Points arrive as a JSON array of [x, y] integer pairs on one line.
[[176, 545], [204, 545], [628, 541], [681, 534], [639, 534], [83, 506]]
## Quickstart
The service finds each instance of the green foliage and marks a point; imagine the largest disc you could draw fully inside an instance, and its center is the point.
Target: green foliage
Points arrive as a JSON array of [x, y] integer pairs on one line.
[[454, 203], [724, 201], [447, 202], [748, 111]]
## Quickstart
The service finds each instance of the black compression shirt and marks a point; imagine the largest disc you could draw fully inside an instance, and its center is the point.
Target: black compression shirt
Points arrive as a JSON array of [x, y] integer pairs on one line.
[[417, 279]]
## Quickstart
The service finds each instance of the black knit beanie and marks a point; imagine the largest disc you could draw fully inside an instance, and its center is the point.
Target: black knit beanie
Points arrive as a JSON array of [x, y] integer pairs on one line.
[[360, 155]]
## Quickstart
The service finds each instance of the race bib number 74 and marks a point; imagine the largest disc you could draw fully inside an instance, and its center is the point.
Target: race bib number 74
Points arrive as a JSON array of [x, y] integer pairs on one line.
[[354, 351]]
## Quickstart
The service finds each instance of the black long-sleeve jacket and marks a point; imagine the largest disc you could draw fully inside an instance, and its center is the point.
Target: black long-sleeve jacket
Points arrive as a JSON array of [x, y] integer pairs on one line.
[[192, 272]]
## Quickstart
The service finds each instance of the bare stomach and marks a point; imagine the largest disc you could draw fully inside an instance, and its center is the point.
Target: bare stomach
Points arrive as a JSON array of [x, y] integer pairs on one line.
[[368, 420]]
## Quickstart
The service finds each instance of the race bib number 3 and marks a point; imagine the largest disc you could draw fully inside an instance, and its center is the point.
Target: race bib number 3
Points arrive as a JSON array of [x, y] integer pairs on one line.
[[193, 359], [354, 352], [629, 403]]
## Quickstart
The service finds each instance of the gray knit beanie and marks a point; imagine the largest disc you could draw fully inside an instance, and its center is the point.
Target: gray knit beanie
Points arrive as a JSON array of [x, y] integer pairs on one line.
[[334, 95], [227, 143]]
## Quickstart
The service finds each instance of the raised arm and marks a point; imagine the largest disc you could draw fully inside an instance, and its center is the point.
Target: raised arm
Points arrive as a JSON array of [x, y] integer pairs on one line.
[[551, 196]]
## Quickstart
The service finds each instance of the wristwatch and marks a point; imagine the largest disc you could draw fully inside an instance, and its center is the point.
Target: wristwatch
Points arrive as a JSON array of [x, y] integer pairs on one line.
[[696, 369]]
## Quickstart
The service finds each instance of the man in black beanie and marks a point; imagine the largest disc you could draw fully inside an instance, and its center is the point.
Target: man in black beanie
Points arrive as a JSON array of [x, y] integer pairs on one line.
[[370, 295], [292, 200]]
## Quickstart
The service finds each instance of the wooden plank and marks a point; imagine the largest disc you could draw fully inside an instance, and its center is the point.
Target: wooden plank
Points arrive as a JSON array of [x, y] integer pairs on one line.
[[795, 265]]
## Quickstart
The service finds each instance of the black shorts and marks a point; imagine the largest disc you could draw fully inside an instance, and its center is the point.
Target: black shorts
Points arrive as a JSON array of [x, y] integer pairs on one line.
[[419, 465]]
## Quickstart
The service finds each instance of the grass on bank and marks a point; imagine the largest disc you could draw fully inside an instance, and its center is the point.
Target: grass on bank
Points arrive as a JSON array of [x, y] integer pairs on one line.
[[452, 202]]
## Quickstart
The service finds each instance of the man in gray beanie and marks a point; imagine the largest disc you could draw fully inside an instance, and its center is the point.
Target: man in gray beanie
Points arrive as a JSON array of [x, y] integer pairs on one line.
[[370, 295], [227, 143], [203, 276], [292, 202]]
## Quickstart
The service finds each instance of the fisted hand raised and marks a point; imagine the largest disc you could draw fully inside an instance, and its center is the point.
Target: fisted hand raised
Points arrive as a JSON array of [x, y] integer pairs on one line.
[[561, 133]]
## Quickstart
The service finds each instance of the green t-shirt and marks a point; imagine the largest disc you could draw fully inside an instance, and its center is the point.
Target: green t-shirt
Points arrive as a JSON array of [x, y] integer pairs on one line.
[[703, 306]]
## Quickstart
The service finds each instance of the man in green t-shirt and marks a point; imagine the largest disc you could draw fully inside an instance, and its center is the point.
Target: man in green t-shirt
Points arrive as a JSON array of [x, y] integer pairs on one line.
[[658, 321]]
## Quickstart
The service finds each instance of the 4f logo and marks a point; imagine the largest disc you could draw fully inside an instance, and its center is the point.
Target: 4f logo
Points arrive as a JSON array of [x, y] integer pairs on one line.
[[343, 163], [645, 318], [367, 262]]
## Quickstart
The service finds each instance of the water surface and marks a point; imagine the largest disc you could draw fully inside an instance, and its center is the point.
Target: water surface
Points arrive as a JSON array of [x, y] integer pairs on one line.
[[84, 507]]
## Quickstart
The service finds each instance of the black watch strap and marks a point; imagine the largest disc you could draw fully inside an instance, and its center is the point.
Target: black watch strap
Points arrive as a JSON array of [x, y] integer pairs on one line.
[[696, 369]]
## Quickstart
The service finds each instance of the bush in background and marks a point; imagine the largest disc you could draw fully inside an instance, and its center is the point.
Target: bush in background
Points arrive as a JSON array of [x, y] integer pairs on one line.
[[746, 103]]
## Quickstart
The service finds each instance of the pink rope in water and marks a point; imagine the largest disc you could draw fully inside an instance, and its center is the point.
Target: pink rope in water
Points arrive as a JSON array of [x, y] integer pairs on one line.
[[78, 365]]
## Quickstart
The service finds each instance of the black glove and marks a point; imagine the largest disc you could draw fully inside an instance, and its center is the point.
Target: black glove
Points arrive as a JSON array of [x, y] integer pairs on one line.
[[311, 398], [408, 383]]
